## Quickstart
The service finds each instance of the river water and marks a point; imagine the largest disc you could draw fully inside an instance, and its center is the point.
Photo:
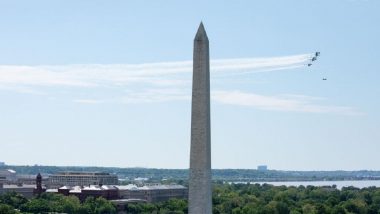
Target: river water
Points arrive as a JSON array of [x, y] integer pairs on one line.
[[339, 184]]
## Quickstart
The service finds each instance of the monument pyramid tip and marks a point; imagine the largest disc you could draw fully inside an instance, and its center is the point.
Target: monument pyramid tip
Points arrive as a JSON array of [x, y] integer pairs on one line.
[[201, 33]]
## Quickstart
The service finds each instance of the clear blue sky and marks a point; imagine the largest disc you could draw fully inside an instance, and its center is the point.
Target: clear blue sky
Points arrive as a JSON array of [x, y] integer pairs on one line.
[[107, 83]]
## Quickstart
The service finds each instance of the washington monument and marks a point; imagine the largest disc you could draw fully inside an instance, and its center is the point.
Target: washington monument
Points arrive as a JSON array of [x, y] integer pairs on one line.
[[200, 201]]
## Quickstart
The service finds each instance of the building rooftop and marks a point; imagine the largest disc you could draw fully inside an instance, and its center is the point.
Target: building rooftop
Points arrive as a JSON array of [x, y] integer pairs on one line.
[[153, 187], [14, 186], [7, 171], [131, 187], [127, 187], [82, 173], [76, 189]]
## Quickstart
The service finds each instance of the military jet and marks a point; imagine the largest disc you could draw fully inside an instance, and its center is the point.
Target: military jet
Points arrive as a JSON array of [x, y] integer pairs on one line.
[[313, 58]]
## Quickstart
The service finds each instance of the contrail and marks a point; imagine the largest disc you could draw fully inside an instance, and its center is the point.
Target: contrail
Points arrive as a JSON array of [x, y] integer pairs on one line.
[[158, 82], [91, 75]]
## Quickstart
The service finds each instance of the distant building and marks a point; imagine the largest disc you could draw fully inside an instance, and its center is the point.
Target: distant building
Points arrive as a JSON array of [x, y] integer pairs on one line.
[[131, 192], [108, 192], [262, 168], [8, 176], [142, 180], [81, 179], [26, 190], [30, 179], [39, 189], [82, 189], [154, 193]]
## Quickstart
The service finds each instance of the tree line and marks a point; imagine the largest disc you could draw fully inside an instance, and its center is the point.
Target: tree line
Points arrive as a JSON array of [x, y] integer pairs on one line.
[[13, 203], [268, 199], [227, 198]]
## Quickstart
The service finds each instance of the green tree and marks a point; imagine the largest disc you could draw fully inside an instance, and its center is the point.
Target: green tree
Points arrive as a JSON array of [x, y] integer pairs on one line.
[[97, 206], [309, 209], [13, 199], [6, 209], [37, 205], [176, 205], [338, 210], [282, 208], [356, 206]]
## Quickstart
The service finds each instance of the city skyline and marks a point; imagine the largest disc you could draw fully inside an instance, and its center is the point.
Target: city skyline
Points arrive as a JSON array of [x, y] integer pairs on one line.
[[109, 84]]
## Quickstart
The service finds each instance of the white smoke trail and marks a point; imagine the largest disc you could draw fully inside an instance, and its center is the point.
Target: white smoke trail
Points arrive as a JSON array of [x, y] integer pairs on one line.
[[92, 75]]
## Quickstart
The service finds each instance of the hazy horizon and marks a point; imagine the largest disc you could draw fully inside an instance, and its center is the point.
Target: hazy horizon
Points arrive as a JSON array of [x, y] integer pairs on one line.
[[142, 167]]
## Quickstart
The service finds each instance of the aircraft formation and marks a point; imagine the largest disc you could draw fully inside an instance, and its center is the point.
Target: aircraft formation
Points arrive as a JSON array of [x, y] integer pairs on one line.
[[314, 58]]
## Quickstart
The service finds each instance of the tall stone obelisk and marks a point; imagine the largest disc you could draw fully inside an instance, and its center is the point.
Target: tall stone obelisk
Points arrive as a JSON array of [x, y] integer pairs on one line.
[[200, 201]]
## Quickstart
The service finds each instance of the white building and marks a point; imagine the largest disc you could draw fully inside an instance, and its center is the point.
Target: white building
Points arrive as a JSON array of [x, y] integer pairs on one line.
[[152, 193], [8, 176], [81, 179]]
